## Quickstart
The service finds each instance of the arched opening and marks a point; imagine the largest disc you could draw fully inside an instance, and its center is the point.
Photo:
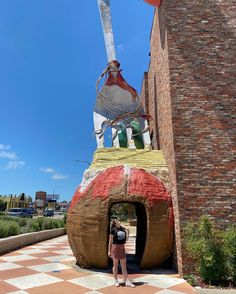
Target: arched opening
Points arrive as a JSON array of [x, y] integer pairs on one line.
[[133, 217]]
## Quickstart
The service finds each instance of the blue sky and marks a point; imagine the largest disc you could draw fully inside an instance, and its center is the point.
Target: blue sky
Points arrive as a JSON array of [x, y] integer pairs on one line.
[[51, 54]]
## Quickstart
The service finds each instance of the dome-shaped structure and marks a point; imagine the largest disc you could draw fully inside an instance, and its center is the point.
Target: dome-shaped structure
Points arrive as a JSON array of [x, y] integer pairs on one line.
[[88, 216]]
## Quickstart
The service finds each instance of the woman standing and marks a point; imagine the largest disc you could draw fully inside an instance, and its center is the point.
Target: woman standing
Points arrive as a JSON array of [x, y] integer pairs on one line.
[[116, 250]]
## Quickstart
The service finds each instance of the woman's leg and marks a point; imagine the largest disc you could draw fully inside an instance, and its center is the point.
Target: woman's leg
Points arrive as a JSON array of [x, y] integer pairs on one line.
[[123, 268], [125, 273], [115, 267]]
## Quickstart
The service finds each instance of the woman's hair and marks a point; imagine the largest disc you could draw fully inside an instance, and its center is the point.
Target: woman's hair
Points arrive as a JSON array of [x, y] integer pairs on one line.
[[113, 224]]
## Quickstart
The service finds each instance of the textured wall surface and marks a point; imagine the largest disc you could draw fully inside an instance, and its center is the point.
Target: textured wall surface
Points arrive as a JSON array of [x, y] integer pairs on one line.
[[191, 93]]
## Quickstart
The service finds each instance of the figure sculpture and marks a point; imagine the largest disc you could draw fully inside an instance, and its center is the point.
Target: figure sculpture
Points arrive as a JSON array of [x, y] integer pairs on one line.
[[118, 106]]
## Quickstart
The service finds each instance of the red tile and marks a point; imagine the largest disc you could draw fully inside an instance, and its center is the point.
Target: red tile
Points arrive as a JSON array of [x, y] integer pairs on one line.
[[31, 262], [51, 249], [15, 273], [139, 289], [68, 274], [59, 288], [14, 253], [184, 287], [135, 276], [6, 288], [44, 254]]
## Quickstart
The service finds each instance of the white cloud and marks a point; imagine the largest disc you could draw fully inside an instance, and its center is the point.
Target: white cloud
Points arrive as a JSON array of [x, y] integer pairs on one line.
[[47, 170], [8, 154], [57, 176], [4, 147], [15, 164]]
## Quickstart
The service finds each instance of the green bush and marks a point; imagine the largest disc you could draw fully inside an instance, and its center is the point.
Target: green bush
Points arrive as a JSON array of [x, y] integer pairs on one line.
[[9, 228], [49, 224], [8, 218], [22, 221], [229, 237], [65, 218], [34, 225], [191, 279], [40, 221], [3, 229], [13, 229], [206, 246]]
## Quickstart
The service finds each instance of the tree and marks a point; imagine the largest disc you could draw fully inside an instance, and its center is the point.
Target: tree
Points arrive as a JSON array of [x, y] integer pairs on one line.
[[3, 205]]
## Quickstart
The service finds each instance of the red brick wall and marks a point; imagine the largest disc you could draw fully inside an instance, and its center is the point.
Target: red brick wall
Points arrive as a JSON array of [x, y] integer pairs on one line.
[[192, 78]]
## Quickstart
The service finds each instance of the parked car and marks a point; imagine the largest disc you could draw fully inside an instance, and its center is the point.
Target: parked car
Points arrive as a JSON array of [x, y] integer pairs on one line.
[[48, 212], [57, 212], [20, 212]]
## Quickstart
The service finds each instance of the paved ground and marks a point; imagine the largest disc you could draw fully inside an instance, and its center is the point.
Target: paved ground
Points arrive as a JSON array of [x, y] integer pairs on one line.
[[216, 291], [49, 267]]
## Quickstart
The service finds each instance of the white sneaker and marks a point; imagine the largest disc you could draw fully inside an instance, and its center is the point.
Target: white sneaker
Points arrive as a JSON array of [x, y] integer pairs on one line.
[[117, 283], [129, 284]]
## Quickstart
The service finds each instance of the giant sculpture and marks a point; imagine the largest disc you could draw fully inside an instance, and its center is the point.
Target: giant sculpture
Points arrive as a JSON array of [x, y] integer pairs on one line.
[[127, 172]]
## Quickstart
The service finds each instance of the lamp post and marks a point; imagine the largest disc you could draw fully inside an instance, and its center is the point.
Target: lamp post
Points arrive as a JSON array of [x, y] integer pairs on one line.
[[84, 161], [53, 194]]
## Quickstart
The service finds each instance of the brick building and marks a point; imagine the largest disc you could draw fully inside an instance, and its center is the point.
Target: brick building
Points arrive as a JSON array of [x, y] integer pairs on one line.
[[190, 92]]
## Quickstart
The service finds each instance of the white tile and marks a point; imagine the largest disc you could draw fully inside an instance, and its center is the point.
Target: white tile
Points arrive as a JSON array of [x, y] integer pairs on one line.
[[17, 257], [43, 246], [167, 291], [93, 292], [31, 281], [31, 251], [162, 281], [49, 267], [4, 266], [64, 251], [59, 258], [47, 244], [94, 282], [18, 292]]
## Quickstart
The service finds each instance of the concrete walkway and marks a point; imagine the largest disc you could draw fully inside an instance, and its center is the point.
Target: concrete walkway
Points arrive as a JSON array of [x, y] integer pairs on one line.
[[49, 267], [216, 291]]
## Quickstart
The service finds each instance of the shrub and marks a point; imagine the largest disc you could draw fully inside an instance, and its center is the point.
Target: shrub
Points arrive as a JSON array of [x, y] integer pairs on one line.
[[8, 218], [34, 225], [65, 218], [13, 228], [205, 246], [61, 223], [22, 221], [40, 221], [9, 228], [3, 229], [49, 224], [191, 279], [229, 237]]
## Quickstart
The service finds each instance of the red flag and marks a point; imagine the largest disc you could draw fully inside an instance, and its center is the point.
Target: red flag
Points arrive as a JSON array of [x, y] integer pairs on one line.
[[156, 3]]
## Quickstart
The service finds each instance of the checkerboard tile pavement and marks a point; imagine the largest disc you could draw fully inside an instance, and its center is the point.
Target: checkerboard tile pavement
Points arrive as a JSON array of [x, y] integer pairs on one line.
[[49, 267]]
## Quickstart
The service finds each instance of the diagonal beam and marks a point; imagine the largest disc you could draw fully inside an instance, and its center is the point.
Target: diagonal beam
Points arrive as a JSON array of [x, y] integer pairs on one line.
[[105, 14]]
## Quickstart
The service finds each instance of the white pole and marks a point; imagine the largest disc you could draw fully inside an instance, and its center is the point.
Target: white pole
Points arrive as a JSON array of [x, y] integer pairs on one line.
[[105, 14]]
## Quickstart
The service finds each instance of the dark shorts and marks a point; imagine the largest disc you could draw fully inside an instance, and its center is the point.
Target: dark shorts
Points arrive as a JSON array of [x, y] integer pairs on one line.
[[118, 251]]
